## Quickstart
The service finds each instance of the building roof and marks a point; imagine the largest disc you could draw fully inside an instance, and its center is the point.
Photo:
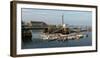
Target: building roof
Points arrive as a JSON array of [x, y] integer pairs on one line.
[[37, 22]]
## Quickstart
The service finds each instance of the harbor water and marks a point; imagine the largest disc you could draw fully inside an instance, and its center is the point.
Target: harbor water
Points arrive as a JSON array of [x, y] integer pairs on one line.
[[37, 42]]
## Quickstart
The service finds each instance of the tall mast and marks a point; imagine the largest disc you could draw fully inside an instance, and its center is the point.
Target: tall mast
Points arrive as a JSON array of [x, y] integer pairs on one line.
[[62, 19]]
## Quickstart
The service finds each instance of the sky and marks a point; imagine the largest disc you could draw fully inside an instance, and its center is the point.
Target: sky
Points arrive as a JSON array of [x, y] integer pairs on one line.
[[54, 16]]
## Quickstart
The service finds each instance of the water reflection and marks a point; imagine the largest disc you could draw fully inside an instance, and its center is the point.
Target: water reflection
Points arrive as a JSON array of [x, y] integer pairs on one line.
[[37, 42]]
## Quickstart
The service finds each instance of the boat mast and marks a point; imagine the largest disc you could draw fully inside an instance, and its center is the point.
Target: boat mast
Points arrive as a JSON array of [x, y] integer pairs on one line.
[[63, 25], [62, 20]]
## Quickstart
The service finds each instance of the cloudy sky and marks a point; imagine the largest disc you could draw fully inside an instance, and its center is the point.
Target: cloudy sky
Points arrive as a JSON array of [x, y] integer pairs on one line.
[[55, 16]]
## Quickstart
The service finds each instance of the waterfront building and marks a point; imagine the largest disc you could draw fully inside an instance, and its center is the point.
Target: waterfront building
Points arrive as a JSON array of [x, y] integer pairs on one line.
[[38, 24]]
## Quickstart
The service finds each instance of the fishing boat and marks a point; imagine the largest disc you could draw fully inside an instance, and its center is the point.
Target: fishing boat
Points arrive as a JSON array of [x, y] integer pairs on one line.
[[61, 36]]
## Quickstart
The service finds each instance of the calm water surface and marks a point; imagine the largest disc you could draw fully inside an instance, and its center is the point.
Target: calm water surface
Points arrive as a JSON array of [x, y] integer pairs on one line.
[[37, 43]]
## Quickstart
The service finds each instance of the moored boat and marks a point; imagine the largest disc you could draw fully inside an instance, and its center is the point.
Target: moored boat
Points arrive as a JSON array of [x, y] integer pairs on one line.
[[61, 36]]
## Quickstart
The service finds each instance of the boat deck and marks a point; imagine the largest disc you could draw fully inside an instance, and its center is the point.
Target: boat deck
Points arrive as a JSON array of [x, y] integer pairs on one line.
[[59, 36]]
